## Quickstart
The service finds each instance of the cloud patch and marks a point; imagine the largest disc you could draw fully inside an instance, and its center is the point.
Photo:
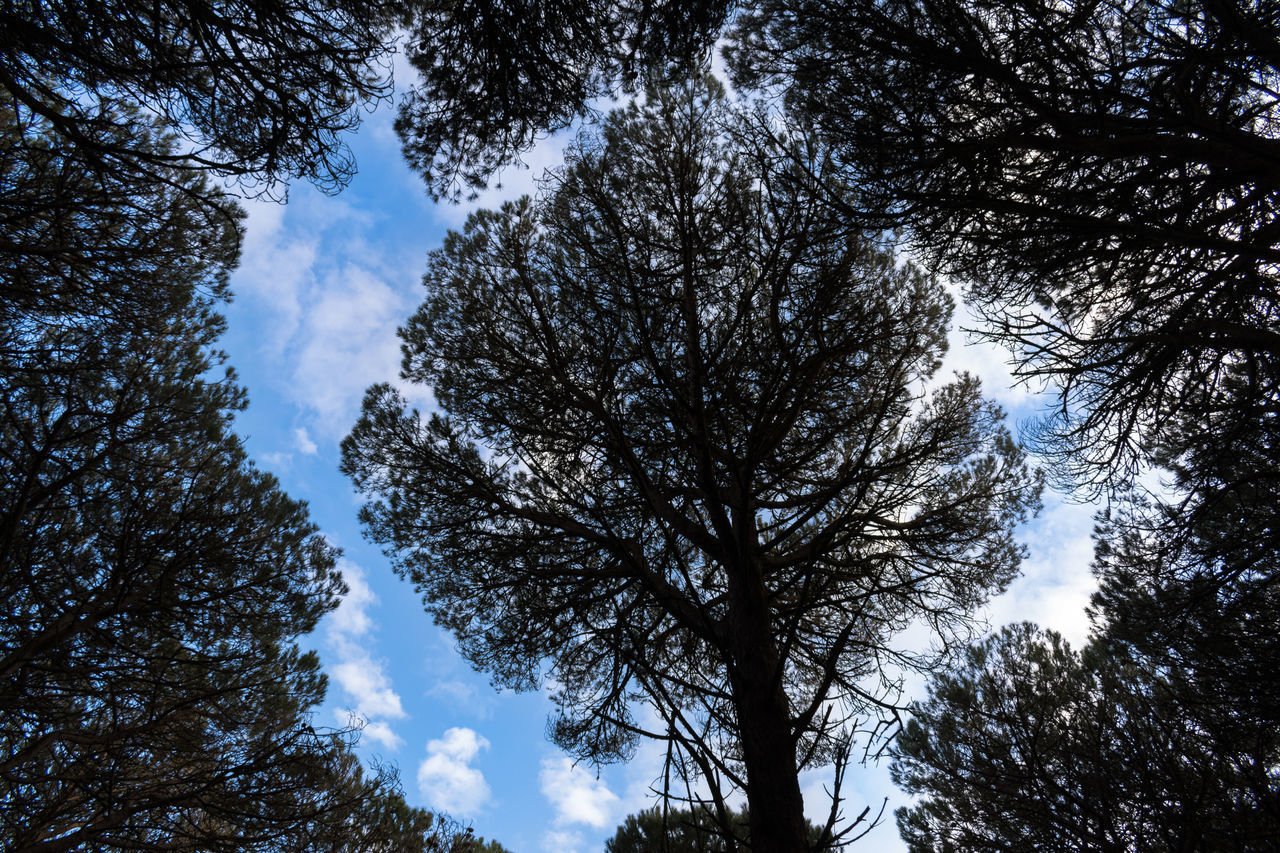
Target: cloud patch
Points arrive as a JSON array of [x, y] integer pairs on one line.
[[561, 841], [347, 342], [578, 796], [362, 678], [446, 778], [1056, 580], [303, 442]]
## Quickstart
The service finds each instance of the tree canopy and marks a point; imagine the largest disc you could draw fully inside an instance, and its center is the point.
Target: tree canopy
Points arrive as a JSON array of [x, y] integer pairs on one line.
[[154, 582], [692, 453], [655, 830], [1162, 734], [1033, 746], [260, 91], [1102, 175], [493, 77]]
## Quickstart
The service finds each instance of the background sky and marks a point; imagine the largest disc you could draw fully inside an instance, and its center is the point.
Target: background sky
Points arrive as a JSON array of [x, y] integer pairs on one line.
[[322, 286]]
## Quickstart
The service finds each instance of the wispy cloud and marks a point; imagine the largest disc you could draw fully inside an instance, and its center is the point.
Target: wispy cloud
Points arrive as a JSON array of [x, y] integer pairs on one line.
[[328, 303], [276, 268], [463, 695], [446, 778], [362, 678], [562, 841], [347, 342], [1056, 581]]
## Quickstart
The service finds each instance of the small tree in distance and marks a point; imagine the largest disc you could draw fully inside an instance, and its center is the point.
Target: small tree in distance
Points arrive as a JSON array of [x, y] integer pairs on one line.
[[691, 457], [657, 830]]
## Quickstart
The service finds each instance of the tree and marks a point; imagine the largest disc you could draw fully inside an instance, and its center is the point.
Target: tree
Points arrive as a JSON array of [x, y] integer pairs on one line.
[[494, 76], [1032, 746], [1162, 734], [1189, 581], [1104, 175], [692, 454], [77, 241], [686, 831], [256, 90], [153, 582]]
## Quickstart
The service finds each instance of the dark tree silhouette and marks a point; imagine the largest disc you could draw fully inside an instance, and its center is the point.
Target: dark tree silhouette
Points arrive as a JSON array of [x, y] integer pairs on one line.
[[1104, 175], [1031, 746], [256, 90], [495, 76], [152, 581], [692, 454], [78, 241], [1163, 734], [658, 830]]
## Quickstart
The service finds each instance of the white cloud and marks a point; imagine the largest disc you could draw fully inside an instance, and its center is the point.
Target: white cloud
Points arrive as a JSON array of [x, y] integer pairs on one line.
[[351, 620], [276, 461], [461, 695], [347, 342], [578, 796], [327, 302], [446, 778], [380, 732], [561, 841], [1056, 581], [275, 270], [303, 442], [363, 679], [377, 732]]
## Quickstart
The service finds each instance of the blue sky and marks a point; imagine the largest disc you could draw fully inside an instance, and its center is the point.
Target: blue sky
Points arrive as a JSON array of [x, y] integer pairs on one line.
[[323, 284]]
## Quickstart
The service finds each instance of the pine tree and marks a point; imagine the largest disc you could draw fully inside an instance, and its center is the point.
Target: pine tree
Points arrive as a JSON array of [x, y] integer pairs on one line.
[[691, 454]]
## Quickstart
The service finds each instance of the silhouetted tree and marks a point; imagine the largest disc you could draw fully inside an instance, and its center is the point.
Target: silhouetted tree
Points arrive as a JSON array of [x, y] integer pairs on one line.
[[692, 454], [256, 90], [388, 825], [686, 831], [152, 581], [77, 240], [1104, 175], [495, 76], [1031, 746], [1164, 734]]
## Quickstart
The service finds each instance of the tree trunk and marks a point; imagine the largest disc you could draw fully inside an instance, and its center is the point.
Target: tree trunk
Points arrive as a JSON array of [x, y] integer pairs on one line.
[[764, 722]]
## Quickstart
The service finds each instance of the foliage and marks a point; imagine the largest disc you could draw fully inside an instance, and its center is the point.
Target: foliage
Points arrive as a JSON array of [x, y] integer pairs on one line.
[[1104, 175], [262, 91], [1188, 587], [694, 455], [1162, 735], [153, 581], [1032, 746], [686, 831], [495, 76], [256, 90], [76, 240]]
